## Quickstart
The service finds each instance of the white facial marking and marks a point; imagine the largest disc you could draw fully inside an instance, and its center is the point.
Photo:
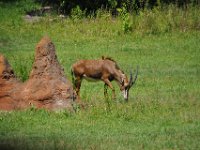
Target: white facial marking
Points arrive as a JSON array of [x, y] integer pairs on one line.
[[125, 94]]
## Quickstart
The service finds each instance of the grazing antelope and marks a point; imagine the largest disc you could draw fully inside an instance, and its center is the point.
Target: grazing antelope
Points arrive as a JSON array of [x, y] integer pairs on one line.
[[106, 70]]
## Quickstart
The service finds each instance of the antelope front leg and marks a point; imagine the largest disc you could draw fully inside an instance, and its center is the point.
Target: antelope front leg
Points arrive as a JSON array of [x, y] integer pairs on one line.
[[113, 94], [108, 83], [105, 90]]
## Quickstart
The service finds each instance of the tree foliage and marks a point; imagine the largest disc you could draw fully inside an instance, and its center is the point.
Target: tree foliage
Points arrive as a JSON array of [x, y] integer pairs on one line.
[[91, 6], [65, 6]]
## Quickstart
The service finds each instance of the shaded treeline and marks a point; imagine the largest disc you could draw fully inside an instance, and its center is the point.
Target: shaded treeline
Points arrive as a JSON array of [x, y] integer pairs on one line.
[[65, 6], [91, 6]]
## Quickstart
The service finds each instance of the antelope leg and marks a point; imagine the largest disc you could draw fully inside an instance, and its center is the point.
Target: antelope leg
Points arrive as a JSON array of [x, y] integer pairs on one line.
[[108, 83]]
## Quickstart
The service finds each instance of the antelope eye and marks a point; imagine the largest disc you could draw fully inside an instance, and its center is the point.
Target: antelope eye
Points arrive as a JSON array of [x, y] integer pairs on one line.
[[122, 88]]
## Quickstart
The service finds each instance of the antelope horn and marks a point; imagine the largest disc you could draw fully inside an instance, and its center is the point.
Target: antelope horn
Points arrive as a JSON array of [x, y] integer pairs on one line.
[[132, 81]]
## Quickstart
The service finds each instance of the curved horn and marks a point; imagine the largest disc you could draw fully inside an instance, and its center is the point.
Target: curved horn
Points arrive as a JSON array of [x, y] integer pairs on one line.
[[131, 78], [132, 81]]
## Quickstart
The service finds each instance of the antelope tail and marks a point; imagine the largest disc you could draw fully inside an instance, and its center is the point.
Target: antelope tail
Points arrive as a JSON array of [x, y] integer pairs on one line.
[[74, 86], [73, 80]]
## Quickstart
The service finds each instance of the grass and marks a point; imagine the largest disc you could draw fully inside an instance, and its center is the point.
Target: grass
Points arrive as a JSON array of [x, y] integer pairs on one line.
[[163, 110]]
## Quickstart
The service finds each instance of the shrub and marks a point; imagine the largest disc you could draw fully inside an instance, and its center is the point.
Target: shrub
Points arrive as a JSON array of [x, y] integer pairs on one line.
[[77, 13], [126, 22]]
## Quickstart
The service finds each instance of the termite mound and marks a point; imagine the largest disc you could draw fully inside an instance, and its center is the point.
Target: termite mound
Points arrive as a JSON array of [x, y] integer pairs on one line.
[[47, 86]]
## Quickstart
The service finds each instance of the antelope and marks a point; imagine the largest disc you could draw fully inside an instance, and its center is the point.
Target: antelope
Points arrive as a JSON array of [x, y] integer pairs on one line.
[[104, 69]]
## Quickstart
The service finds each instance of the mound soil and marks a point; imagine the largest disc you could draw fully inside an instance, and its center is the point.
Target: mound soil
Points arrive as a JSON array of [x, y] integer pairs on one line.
[[47, 86]]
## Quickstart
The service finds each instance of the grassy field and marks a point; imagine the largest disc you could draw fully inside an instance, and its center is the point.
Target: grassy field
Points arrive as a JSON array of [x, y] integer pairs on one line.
[[163, 111]]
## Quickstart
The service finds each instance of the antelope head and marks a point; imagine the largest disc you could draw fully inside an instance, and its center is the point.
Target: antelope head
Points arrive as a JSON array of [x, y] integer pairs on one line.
[[127, 84]]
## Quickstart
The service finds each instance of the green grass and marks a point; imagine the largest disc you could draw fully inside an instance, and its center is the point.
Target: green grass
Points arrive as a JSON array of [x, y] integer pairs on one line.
[[163, 110]]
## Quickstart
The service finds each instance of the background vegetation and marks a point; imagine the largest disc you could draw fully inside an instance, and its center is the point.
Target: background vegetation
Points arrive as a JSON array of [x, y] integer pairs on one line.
[[163, 110], [90, 6]]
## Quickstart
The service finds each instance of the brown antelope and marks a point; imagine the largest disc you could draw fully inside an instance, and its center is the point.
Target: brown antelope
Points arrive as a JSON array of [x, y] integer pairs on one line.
[[106, 70]]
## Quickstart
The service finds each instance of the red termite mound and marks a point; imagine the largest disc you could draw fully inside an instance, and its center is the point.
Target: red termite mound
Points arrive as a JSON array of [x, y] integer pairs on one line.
[[47, 86], [7, 83]]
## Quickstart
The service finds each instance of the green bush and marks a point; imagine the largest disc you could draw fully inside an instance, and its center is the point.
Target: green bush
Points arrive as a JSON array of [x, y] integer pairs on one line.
[[77, 13], [126, 22]]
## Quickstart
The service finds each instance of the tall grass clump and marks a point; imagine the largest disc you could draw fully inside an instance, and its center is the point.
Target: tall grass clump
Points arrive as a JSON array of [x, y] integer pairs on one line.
[[156, 20], [22, 66], [166, 19]]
